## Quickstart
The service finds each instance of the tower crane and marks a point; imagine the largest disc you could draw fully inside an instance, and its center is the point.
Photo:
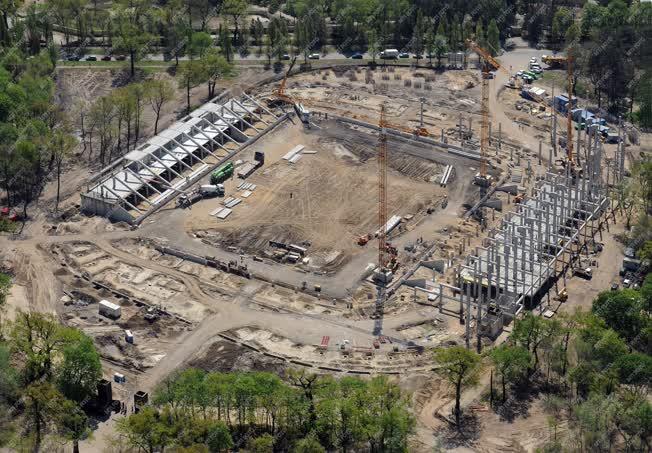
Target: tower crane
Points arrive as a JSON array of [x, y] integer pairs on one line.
[[382, 275], [569, 116], [488, 64]]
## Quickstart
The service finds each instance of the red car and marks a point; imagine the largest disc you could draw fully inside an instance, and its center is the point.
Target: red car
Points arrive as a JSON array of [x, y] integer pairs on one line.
[[9, 214]]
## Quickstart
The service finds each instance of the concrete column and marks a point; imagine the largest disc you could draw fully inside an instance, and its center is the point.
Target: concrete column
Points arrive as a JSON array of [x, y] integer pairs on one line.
[[489, 132], [540, 152]]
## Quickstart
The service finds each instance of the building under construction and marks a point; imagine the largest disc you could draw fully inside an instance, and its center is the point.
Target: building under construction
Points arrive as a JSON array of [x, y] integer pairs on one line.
[[148, 177]]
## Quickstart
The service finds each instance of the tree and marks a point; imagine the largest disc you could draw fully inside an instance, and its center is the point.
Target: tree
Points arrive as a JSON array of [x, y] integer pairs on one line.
[[531, 331], [235, 9], [80, 369], [461, 368], [493, 38], [131, 39], [73, 424], [5, 288], [219, 438], [225, 44], [309, 445], [261, 444], [43, 404], [479, 34], [635, 369], [37, 338], [9, 379], [190, 75], [646, 288], [621, 310], [511, 362], [372, 44], [215, 67], [144, 430], [200, 42], [63, 145], [561, 20], [440, 47], [158, 92]]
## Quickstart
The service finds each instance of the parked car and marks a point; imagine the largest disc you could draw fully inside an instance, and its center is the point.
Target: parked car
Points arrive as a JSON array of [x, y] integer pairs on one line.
[[614, 287], [357, 56], [73, 58], [106, 58], [120, 57], [91, 58], [418, 56], [488, 75], [404, 55], [285, 57], [533, 60], [313, 56]]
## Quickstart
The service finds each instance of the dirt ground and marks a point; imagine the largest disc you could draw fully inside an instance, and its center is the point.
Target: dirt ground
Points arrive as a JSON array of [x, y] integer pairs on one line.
[[325, 201], [332, 202]]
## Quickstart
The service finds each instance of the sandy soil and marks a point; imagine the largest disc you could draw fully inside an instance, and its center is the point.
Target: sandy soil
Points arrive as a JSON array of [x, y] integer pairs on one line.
[[325, 200]]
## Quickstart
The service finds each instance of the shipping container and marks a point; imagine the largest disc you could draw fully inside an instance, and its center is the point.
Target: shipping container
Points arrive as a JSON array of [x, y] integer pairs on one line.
[[110, 310]]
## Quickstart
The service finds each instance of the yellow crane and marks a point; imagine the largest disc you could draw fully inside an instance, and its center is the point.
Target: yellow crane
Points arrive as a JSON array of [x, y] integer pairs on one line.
[[488, 64]]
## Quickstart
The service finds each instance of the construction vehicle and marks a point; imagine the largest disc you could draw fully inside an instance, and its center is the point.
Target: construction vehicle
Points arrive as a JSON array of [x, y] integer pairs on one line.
[[489, 64], [555, 61], [562, 296], [362, 240], [223, 173], [584, 272]]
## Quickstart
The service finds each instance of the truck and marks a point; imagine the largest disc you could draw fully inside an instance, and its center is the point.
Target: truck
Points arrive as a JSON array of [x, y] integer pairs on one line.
[[109, 309], [223, 173], [584, 272], [212, 190], [555, 61], [302, 112], [389, 54]]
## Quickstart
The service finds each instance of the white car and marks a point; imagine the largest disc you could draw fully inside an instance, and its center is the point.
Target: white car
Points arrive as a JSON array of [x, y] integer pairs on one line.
[[313, 56], [533, 60]]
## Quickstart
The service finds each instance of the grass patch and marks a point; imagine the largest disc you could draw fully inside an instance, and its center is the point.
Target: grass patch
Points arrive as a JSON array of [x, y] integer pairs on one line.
[[7, 226]]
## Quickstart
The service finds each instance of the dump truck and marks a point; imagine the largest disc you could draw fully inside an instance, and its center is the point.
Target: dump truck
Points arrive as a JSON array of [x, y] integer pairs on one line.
[[222, 173]]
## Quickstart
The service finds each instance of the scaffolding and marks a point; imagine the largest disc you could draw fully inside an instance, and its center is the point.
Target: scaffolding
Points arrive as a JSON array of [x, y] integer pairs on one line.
[[528, 255]]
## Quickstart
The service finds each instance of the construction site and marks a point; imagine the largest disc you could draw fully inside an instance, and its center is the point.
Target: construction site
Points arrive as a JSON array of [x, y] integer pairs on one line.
[[344, 220]]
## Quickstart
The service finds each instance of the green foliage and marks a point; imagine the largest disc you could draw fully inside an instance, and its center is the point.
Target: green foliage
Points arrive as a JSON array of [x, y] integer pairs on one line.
[[461, 368], [219, 438], [145, 430], [5, 287], [261, 444], [80, 369], [621, 310], [511, 363], [308, 445], [493, 38], [309, 413]]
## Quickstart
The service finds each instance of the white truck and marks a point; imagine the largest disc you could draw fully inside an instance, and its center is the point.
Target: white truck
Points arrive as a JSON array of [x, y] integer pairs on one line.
[[389, 54], [212, 190]]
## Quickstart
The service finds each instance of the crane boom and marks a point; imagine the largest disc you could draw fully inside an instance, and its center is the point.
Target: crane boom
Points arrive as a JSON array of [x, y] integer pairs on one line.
[[569, 114], [382, 191]]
